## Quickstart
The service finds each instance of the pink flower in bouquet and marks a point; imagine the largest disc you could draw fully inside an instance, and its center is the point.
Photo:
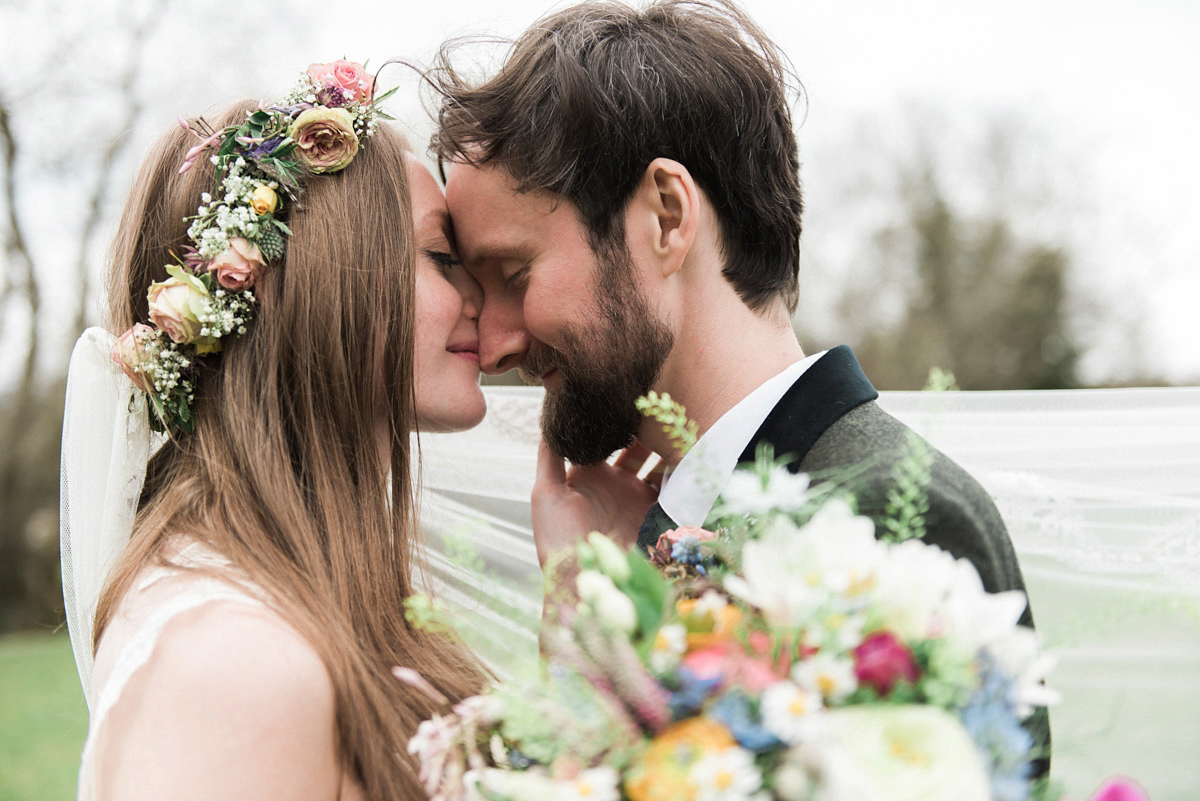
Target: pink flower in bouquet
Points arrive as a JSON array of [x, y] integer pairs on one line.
[[238, 266], [730, 662], [1120, 790], [881, 660], [349, 77]]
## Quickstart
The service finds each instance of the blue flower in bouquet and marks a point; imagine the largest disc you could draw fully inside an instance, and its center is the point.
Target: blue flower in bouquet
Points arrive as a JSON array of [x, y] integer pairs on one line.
[[692, 693], [992, 721], [737, 712]]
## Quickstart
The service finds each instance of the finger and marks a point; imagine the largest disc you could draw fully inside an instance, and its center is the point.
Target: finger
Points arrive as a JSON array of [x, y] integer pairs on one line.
[[551, 470], [633, 457], [656, 475]]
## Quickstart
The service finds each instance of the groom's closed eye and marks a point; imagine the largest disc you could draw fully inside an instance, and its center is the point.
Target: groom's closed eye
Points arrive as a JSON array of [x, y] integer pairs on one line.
[[517, 278]]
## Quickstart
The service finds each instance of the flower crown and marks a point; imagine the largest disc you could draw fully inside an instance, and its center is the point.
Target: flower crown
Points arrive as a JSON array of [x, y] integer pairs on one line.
[[316, 128]]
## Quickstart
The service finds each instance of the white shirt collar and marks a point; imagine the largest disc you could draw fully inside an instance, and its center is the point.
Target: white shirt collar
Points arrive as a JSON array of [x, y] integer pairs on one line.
[[689, 492]]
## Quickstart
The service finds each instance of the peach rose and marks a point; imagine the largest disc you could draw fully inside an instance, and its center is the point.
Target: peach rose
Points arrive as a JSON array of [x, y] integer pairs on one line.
[[325, 139], [129, 356], [238, 266], [345, 75]]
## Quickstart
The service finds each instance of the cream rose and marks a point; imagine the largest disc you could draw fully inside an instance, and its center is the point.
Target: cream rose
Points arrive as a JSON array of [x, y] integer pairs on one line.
[[264, 200], [176, 306], [345, 75], [325, 139], [239, 265], [129, 356]]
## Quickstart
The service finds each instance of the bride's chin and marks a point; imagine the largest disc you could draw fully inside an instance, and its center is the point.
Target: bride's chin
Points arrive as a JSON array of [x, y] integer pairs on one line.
[[465, 414]]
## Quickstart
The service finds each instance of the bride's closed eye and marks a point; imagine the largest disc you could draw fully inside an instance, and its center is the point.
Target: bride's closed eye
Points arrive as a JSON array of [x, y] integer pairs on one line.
[[446, 261]]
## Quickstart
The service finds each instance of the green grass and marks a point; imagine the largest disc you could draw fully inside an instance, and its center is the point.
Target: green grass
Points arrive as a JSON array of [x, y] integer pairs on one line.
[[43, 718]]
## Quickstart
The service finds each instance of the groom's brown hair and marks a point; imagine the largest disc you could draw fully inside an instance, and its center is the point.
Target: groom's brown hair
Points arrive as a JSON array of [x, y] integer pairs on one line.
[[590, 95]]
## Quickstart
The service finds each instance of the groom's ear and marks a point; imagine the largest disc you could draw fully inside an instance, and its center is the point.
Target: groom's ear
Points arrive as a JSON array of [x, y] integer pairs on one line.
[[666, 208]]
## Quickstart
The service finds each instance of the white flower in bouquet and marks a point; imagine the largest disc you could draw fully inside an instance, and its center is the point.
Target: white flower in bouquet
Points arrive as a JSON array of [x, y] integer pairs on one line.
[[611, 607], [973, 616], [749, 492], [1019, 654], [727, 775], [669, 646], [896, 753], [911, 589], [790, 572], [791, 712], [830, 674]]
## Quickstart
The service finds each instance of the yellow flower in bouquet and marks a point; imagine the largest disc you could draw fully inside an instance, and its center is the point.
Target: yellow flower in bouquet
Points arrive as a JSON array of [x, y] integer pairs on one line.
[[661, 773], [709, 621]]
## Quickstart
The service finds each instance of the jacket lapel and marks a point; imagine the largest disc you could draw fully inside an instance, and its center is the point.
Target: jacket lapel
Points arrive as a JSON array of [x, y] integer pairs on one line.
[[826, 391]]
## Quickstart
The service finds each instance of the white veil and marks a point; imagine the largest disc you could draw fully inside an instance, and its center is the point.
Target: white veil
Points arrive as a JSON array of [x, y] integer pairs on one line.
[[106, 444], [1101, 493]]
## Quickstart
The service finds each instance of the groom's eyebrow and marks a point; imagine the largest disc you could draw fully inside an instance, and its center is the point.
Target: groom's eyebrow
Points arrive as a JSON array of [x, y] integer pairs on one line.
[[490, 252]]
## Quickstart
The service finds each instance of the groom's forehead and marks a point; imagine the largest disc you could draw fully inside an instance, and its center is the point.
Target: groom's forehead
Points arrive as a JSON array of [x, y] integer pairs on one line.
[[494, 220]]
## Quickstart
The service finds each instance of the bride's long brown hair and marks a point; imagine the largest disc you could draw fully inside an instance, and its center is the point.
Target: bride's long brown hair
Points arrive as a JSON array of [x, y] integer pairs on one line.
[[283, 474]]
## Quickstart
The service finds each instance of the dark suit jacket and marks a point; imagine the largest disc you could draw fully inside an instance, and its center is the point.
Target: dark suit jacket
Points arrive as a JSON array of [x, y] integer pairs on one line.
[[830, 425]]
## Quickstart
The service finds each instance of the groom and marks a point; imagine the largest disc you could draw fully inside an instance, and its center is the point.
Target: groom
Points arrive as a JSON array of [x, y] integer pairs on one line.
[[626, 191]]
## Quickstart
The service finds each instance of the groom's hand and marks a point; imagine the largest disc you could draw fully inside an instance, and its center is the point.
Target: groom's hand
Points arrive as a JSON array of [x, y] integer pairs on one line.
[[568, 504]]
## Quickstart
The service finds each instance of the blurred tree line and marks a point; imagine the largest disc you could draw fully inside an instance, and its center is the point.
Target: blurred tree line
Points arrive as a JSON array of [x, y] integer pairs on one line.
[[945, 238], [978, 300], [937, 283]]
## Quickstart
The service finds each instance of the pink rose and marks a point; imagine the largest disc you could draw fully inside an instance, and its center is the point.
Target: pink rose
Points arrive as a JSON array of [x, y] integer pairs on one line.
[[129, 355], [346, 76], [881, 660], [175, 306], [325, 139], [239, 265]]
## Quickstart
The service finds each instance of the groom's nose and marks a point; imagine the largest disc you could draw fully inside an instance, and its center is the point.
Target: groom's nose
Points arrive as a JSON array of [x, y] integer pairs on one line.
[[503, 340]]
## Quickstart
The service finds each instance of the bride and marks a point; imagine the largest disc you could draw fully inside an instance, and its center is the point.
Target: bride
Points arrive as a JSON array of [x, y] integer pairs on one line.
[[253, 609]]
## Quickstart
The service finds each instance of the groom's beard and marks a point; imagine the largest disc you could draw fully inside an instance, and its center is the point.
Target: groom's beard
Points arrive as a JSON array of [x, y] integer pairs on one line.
[[603, 370]]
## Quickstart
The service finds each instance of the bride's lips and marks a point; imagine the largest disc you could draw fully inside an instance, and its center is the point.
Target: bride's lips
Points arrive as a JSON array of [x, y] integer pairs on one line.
[[468, 351]]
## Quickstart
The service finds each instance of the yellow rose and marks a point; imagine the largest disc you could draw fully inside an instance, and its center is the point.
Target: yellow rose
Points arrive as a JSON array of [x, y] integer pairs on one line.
[[264, 200]]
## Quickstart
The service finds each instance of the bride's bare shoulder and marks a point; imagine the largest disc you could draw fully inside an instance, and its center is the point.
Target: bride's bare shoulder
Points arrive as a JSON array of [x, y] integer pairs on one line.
[[233, 703]]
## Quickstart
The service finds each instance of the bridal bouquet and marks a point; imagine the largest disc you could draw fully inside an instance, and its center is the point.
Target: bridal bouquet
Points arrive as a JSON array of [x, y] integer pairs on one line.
[[784, 652]]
